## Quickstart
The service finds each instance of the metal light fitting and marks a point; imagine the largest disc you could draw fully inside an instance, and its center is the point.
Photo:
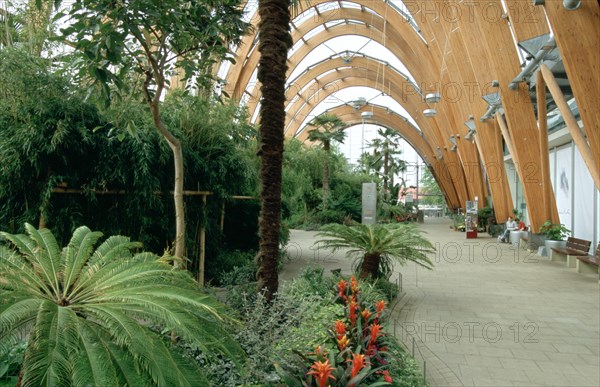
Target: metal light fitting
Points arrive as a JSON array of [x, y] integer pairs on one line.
[[429, 112]]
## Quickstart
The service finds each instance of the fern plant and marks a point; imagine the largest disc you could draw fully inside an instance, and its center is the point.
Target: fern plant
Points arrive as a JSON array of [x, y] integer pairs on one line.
[[376, 247], [93, 317]]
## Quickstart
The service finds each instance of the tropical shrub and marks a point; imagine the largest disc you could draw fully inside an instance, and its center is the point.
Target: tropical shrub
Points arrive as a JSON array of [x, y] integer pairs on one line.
[[111, 163], [95, 316], [375, 248], [355, 352]]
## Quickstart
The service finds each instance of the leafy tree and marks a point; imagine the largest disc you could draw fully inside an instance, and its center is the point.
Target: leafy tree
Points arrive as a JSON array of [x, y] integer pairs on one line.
[[93, 316], [151, 40], [376, 247], [25, 24], [274, 42], [327, 128], [430, 188], [386, 149], [43, 128]]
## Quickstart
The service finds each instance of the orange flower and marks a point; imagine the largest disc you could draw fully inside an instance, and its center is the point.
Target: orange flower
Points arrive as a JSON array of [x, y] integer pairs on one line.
[[340, 329], [321, 370], [354, 285], [366, 314], [353, 308], [342, 288], [375, 328], [343, 342], [379, 305], [358, 363]]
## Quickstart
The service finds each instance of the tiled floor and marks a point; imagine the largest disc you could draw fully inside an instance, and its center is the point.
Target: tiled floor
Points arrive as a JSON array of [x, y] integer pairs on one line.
[[489, 314]]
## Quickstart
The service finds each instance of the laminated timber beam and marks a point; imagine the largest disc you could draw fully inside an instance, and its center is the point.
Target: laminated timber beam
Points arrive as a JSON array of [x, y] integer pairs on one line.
[[488, 140], [540, 85], [452, 112], [474, 72], [571, 122], [394, 33], [361, 74], [497, 42], [526, 19], [391, 120], [577, 35], [453, 171], [408, 59]]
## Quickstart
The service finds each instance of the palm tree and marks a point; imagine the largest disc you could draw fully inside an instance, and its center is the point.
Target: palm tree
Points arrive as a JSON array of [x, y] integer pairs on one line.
[[385, 152], [93, 317], [328, 128], [376, 247], [274, 42]]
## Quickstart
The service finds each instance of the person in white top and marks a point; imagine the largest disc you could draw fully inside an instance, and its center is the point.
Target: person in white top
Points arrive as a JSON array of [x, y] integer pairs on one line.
[[511, 225]]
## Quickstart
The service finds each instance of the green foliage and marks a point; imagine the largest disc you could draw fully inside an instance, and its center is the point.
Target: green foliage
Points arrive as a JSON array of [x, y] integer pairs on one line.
[[10, 363], [554, 231], [429, 186], [327, 128], [458, 220], [353, 353], [298, 320], [302, 195], [89, 312], [44, 128], [404, 370], [392, 242], [484, 214], [51, 137], [115, 40]]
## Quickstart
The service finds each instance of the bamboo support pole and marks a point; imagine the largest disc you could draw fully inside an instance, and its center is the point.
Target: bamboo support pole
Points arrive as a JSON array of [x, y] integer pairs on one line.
[[202, 246]]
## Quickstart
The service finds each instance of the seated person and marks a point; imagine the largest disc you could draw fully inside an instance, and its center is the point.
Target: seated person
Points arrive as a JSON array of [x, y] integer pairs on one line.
[[511, 225], [521, 226]]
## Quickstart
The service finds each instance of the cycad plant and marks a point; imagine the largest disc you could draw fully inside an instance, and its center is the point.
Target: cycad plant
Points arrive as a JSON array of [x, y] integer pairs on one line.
[[376, 247], [94, 317]]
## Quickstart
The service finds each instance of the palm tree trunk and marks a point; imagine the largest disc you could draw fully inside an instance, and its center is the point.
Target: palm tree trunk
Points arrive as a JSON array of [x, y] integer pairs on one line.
[[370, 265], [275, 41], [386, 171], [326, 149]]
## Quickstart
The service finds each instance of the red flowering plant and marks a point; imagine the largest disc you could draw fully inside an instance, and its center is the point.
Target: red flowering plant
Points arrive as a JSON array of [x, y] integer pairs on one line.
[[355, 355]]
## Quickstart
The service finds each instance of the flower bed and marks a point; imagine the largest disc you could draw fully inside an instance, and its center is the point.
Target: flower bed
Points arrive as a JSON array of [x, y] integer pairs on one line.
[[356, 352]]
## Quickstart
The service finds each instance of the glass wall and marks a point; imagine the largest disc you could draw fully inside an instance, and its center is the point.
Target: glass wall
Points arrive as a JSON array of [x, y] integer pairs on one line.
[[577, 199]]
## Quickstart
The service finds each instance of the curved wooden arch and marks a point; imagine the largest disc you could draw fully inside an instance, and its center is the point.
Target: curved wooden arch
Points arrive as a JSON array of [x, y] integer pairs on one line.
[[422, 60], [393, 34], [457, 175], [349, 77], [441, 171], [312, 76]]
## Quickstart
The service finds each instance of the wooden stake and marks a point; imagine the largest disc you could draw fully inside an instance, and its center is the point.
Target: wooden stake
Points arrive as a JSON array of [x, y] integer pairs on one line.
[[202, 246]]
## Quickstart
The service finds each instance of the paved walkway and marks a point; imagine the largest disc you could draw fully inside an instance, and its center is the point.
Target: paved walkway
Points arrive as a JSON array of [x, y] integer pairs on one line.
[[489, 314]]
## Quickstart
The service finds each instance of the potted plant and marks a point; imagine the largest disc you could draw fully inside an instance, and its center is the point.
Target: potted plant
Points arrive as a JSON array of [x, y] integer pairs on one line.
[[555, 234]]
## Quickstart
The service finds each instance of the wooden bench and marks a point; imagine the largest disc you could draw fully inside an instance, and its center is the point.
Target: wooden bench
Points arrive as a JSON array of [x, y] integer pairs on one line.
[[589, 263], [575, 248]]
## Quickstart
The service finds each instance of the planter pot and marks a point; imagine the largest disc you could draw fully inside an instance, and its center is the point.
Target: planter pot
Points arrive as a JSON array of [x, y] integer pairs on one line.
[[550, 244]]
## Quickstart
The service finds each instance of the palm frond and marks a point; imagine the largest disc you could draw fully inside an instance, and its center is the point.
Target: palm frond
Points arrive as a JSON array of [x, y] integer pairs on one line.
[[391, 243], [88, 313], [77, 253]]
